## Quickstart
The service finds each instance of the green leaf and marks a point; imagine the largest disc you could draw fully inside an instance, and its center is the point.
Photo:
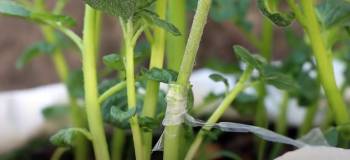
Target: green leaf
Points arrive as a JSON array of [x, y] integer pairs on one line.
[[334, 13], [75, 83], [223, 10], [35, 50], [55, 112], [279, 80], [344, 131], [67, 137], [148, 123], [11, 8], [153, 18], [123, 8], [248, 57], [114, 61], [280, 19], [219, 78], [61, 20], [120, 116], [161, 75], [190, 99], [332, 136]]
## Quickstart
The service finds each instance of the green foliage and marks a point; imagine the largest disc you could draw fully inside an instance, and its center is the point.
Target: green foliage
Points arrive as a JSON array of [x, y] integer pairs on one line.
[[219, 78], [55, 112], [332, 136], [75, 83], [249, 58], [160, 75], [334, 13], [67, 137], [279, 80], [114, 61], [153, 18], [33, 51], [120, 116], [280, 19], [136, 10], [11, 8]]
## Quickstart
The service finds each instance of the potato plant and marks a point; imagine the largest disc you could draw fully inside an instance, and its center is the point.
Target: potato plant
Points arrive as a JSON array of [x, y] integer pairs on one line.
[[154, 32]]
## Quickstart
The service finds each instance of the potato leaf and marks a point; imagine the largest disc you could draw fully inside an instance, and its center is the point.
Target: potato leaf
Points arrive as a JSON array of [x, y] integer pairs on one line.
[[161, 75], [279, 80], [123, 8], [148, 123], [248, 57], [280, 19], [55, 112], [334, 13], [66, 137], [120, 116], [114, 61], [35, 50], [11, 8], [154, 19], [75, 83], [219, 78]]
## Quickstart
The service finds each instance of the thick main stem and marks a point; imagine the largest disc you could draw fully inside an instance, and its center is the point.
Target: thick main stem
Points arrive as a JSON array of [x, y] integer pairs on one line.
[[90, 86], [324, 63], [173, 132], [152, 88], [219, 112], [176, 16]]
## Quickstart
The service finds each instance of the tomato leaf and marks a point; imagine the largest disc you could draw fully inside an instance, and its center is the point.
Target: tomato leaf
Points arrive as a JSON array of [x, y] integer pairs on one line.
[[334, 13], [154, 19], [11, 8], [219, 78]]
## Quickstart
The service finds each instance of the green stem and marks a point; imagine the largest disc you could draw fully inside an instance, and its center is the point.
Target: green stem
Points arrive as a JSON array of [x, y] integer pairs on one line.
[[308, 119], [130, 84], [324, 63], [94, 114], [152, 87], [58, 153], [281, 124], [173, 136], [219, 112], [176, 16], [62, 71], [118, 143], [113, 90]]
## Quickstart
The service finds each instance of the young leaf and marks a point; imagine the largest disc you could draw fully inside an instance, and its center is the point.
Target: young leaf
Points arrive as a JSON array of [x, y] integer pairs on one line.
[[35, 50], [11, 8], [248, 57], [66, 137], [219, 78], [161, 75], [153, 18], [121, 116], [114, 61], [280, 19]]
